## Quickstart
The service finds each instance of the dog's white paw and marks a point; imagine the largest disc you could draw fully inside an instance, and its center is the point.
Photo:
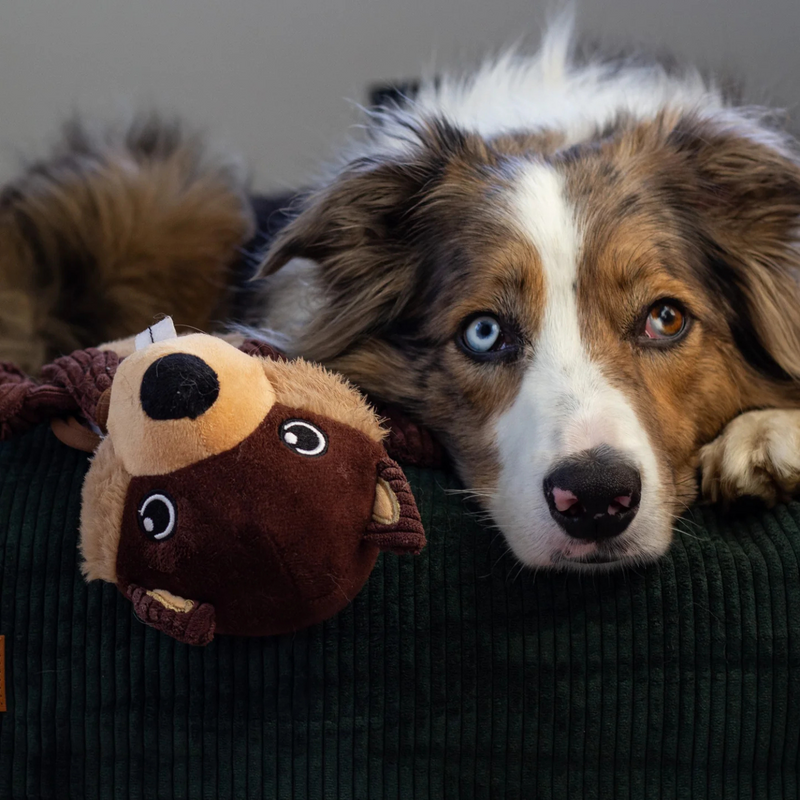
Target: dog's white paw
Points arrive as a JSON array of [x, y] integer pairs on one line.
[[757, 454]]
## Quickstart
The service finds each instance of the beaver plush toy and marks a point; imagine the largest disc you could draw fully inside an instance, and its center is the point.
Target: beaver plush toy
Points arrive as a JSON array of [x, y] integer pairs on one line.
[[237, 494]]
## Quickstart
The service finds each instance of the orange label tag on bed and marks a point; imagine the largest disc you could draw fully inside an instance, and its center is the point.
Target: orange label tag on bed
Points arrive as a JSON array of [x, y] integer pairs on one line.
[[2, 673]]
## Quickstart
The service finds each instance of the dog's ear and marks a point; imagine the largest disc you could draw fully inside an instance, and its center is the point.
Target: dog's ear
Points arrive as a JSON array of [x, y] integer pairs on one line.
[[357, 209], [352, 230], [745, 197], [360, 231]]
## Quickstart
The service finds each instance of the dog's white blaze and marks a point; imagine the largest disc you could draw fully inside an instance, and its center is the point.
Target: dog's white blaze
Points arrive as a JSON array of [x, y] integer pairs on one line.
[[565, 404]]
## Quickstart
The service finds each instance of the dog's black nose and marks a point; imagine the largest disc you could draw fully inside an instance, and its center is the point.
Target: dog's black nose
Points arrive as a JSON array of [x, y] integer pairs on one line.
[[177, 386], [594, 494]]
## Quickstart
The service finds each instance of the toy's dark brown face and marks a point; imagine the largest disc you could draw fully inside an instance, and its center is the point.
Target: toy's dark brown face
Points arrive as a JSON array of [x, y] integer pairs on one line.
[[273, 526]]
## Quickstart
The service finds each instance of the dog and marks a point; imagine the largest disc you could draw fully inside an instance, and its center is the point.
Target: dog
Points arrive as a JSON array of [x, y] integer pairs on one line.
[[581, 273], [119, 222]]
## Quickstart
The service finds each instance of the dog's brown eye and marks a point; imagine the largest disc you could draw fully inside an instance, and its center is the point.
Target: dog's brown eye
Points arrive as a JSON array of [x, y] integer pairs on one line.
[[665, 320]]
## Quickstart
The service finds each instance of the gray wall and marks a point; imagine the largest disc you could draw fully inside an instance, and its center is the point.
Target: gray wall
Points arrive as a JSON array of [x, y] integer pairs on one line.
[[276, 81]]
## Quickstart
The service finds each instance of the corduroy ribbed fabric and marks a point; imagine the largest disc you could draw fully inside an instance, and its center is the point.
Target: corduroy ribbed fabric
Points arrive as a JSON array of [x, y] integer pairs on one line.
[[452, 675]]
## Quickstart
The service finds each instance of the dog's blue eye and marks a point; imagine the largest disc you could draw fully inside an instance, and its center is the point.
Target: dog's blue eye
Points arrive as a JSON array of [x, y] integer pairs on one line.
[[485, 338], [482, 334]]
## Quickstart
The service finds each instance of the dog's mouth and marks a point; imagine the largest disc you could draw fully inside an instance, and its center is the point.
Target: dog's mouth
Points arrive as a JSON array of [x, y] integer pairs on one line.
[[596, 558], [590, 555], [595, 563]]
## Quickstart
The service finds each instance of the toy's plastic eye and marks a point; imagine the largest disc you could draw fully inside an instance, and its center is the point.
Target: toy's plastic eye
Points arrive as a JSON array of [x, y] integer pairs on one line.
[[303, 438], [156, 516]]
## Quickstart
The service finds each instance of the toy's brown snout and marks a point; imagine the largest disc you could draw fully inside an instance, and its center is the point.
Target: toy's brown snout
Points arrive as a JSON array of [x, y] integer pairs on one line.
[[178, 386]]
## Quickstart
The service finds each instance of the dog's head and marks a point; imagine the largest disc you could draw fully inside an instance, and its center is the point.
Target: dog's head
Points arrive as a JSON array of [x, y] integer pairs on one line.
[[573, 319]]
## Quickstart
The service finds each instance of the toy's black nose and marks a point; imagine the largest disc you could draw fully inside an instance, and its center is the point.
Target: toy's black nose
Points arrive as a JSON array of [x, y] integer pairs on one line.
[[594, 494], [178, 386]]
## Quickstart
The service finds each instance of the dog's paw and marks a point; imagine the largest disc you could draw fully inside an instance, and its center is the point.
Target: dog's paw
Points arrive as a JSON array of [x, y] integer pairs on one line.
[[757, 454]]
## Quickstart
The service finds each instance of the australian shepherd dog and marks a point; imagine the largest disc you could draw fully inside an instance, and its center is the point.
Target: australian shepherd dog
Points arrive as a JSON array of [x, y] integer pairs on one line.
[[580, 272]]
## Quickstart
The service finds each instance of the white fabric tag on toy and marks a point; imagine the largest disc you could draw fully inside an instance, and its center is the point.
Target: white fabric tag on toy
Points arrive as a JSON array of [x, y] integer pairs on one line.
[[163, 329]]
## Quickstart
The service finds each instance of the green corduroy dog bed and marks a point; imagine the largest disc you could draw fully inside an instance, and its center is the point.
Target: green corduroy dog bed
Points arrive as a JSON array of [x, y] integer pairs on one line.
[[452, 675]]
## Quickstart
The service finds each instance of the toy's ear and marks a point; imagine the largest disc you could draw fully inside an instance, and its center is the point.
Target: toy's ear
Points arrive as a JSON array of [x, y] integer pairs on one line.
[[396, 525], [185, 620]]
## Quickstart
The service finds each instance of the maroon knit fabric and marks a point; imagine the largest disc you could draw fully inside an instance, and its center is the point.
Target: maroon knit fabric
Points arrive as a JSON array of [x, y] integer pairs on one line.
[[254, 347], [85, 375], [70, 385], [410, 443]]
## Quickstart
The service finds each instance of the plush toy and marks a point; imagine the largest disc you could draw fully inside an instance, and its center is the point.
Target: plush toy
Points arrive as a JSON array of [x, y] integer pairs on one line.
[[236, 494]]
